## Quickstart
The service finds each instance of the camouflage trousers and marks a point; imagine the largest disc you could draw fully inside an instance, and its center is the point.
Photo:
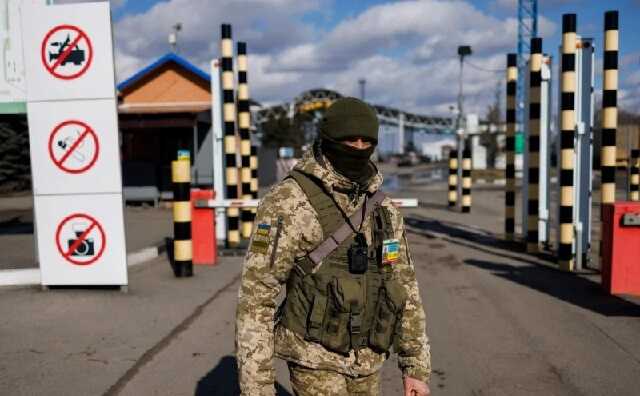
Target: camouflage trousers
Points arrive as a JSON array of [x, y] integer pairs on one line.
[[311, 382]]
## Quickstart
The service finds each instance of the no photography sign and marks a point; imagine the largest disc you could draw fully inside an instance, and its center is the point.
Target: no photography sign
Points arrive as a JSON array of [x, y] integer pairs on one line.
[[80, 239]]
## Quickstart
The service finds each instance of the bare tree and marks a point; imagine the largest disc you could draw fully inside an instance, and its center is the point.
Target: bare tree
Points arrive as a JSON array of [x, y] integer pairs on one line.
[[489, 139]]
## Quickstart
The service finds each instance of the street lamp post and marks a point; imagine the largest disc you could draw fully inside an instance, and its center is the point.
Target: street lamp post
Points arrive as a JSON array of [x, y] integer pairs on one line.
[[463, 50]]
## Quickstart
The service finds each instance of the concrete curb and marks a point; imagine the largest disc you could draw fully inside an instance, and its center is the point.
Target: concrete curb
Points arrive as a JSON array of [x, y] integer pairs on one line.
[[31, 276]]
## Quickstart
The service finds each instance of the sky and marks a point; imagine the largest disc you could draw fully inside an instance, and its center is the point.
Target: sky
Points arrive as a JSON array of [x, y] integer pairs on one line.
[[406, 50]]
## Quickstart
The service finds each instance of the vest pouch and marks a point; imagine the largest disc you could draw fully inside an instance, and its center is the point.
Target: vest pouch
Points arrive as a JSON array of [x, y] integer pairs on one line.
[[343, 294], [316, 318], [391, 302]]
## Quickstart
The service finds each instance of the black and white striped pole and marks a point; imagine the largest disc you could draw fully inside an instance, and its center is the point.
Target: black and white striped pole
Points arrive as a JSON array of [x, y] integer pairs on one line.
[[254, 174], [510, 149], [466, 177], [253, 163], [453, 178], [182, 244], [567, 136], [609, 108], [230, 143], [244, 124], [533, 144]]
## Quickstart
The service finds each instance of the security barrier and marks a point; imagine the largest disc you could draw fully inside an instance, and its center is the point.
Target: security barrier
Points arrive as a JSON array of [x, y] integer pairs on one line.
[[182, 246]]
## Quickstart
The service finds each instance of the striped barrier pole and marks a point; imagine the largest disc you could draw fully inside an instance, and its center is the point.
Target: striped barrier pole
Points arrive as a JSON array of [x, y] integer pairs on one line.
[[634, 176], [253, 203], [608, 154], [254, 175], [453, 178], [466, 177], [535, 80], [244, 124], [510, 170], [253, 163], [230, 144], [182, 246], [567, 145]]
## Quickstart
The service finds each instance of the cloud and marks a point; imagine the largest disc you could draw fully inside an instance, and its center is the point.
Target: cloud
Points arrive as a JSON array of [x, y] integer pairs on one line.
[[267, 26], [406, 50]]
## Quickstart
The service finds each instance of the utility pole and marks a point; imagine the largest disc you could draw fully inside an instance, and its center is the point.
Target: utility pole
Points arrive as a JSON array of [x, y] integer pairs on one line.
[[173, 37], [362, 83], [527, 29], [463, 50]]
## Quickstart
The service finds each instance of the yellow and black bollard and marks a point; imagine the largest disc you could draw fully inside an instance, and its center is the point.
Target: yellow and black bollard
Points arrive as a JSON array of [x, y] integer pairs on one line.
[[567, 145], [535, 80], [182, 247], [453, 178], [244, 124], [466, 178], [230, 143], [510, 149], [634, 176], [609, 109]]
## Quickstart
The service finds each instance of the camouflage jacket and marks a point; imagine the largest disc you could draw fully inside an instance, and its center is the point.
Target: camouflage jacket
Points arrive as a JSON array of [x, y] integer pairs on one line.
[[259, 339]]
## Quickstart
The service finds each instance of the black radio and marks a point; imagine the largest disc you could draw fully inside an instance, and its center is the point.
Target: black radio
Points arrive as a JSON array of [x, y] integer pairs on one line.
[[358, 255]]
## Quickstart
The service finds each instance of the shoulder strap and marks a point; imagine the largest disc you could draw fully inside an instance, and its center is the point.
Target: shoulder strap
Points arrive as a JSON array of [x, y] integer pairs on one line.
[[335, 229], [328, 214], [334, 240]]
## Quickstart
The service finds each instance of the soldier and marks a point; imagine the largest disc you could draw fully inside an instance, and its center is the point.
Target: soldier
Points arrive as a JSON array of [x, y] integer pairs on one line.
[[340, 247]]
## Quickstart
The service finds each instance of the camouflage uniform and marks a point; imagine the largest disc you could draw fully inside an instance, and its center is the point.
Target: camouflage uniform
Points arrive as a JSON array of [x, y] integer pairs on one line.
[[310, 382], [259, 339]]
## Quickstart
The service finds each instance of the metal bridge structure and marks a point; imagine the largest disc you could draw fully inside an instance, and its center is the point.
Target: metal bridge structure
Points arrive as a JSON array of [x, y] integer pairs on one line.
[[527, 29], [397, 127]]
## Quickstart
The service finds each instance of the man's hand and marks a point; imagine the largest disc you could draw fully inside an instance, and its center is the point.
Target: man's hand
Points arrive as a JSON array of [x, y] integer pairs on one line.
[[414, 387]]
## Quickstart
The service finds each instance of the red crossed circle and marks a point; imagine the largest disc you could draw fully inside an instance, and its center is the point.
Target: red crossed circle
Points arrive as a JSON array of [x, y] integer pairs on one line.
[[86, 131], [66, 253], [80, 35]]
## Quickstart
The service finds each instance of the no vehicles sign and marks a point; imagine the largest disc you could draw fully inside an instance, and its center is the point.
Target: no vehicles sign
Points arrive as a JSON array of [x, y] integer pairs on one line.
[[68, 51]]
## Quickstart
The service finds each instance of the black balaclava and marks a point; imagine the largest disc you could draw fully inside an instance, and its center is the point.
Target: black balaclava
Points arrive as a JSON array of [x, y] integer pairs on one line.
[[345, 119]]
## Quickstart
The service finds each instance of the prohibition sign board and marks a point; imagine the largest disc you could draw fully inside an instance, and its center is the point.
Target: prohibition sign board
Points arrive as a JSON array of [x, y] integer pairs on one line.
[[80, 239], [66, 52], [73, 146]]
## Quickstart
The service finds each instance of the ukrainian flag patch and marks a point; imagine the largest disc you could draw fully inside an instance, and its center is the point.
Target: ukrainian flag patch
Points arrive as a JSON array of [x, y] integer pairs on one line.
[[261, 239], [390, 251]]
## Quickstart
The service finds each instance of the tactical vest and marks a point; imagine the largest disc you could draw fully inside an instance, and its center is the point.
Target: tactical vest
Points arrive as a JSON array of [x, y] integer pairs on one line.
[[334, 307]]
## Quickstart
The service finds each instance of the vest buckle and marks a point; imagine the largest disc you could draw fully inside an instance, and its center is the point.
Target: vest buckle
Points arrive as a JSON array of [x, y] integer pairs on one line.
[[355, 322]]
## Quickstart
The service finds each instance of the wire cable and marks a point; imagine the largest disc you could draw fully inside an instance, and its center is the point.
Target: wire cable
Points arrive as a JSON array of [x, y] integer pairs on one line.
[[484, 69]]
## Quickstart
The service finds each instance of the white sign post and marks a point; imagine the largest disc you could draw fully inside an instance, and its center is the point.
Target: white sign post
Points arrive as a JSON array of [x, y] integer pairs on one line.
[[73, 135]]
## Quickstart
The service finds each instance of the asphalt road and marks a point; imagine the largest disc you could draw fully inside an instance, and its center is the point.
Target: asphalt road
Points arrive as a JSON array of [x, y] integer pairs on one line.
[[500, 322]]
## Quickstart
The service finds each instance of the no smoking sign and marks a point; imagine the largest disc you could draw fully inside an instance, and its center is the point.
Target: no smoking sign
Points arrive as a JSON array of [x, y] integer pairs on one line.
[[73, 146], [66, 52]]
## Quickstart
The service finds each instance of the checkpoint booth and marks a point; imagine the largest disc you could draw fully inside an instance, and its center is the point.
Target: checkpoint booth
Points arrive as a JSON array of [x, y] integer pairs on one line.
[[163, 108]]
